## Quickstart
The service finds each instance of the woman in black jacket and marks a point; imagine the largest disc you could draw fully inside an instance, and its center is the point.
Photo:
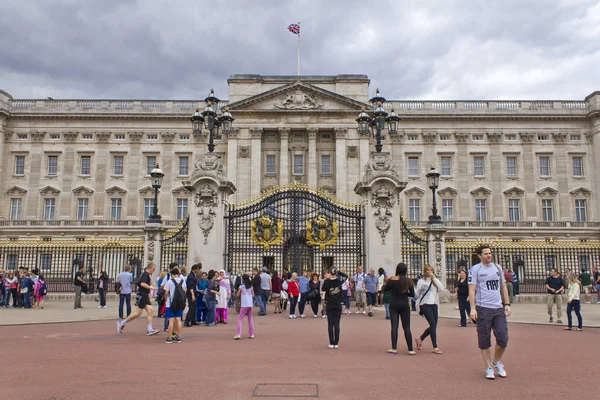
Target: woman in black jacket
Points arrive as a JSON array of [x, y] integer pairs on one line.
[[102, 287], [314, 293], [402, 288], [462, 295], [332, 286]]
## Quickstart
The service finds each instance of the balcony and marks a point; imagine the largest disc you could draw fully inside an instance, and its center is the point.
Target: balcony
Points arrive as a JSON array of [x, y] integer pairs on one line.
[[76, 227]]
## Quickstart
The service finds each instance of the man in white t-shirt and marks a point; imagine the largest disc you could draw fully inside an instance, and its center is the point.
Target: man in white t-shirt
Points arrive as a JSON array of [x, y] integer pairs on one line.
[[487, 287], [359, 289], [174, 316]]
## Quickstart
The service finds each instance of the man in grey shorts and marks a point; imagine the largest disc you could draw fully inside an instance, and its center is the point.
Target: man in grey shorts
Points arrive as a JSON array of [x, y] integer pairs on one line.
[[486, 280]]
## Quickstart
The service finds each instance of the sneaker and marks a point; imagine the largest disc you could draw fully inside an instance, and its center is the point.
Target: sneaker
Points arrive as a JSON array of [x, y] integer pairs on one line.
[[370, 314], [119, 328], [489, 373], [177, 339], [236, 337], [100, 307], [152, 332], [291, 316], [251, 337], [598, 302], [550, 320], [358, 312], [335, 346], [558, 321], [587, 302], [324, 316], [315, 316], [302, 315], [499, 367], [364, 312], [169, 340], [330, 346]]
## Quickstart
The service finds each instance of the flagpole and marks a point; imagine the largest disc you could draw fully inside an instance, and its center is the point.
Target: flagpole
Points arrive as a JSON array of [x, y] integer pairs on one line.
[[298, 49]]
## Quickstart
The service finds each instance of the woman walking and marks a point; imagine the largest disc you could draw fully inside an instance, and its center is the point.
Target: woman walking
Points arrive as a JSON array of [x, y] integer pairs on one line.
[[223, 297], [246, 293], [428, 298], [10, 289], [293, 293], [574, 303], [462, 295], [332, 287], [102, 286], [276, 282], [401, 289]]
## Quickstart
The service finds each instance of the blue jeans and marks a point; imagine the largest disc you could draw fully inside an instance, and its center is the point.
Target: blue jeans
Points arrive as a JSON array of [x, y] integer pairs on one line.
[[574, 305], [347, 299], [7, 298], [211, 306], [261, 306], [200, 308], [387, 310], [465, 311], [264, 296], [124, 298], [26, 300]]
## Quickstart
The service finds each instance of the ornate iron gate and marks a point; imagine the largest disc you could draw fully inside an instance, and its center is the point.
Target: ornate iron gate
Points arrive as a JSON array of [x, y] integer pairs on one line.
[[413, 248], [174, 246], [294, 226]]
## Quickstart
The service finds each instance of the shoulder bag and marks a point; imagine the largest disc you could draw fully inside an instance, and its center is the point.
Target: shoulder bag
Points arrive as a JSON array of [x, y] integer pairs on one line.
[[421, 299]]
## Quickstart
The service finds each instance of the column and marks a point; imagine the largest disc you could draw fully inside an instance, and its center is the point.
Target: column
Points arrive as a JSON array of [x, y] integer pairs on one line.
[[364, 152], [312, 156], [284, 156], [341, 173], [232, 154], [152, 246], [256, 174], [4, 137], [436, 235]]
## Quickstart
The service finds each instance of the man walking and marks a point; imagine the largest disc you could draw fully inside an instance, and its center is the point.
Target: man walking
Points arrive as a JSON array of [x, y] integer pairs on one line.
[[359, 288], [486, 289], [586, 282], [78, 282], [555, 286], [125, 279], [143, 301], [191, 283], [371, 282], [256, 285], [265, 286]]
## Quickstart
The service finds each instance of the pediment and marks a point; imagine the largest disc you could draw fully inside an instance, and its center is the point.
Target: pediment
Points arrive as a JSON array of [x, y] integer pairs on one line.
[[414, 191], [481, 191], [181, 191], [514, 191], [581, 192], [146, 190], [116, 190], [297, 97], [82, 190], [49, 190], [15, 190], [547, 192], [448, 191]]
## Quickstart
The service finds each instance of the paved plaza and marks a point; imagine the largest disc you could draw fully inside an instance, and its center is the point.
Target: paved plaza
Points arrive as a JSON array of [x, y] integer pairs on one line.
[[76, 360]]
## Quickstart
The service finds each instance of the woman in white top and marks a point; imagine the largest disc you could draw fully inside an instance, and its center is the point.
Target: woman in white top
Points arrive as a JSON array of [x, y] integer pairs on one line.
[[245, 293], [428, 298], [574, 303]]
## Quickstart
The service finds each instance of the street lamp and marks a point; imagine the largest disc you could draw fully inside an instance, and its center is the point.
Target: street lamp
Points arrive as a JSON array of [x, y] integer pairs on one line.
[[377, 119], [211, 120], [156, 177], [433, 180]]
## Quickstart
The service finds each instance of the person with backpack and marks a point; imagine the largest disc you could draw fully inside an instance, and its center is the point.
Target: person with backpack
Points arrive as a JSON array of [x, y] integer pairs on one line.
[[26, 289], [102, 286], [245, 293], [175, 290], [40, 291]]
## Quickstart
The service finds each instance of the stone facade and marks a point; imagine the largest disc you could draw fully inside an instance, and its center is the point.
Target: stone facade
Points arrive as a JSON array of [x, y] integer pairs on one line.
[[509, 168]]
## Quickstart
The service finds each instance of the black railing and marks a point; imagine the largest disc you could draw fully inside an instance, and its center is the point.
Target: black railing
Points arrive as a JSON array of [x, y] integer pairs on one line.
[[413, 249], [174, 246]]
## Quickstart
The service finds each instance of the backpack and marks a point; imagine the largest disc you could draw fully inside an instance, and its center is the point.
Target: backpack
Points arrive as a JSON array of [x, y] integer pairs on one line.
[[178, 301], [118, 287], [43, 290]]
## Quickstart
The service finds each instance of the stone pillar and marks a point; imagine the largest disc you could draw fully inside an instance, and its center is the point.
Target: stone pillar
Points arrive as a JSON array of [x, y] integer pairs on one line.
[[152, 247], [284, 156], [4, 137], [312, 157], [255, 161], [436, 234], [341, 170], [232, 154], [380, 188], [210, 190]]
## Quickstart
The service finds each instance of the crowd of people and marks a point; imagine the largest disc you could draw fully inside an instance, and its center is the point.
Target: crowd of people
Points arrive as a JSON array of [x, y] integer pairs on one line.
[[24, 288]]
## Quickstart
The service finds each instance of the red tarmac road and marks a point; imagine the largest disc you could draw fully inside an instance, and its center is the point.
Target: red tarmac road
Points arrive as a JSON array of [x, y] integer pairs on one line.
[[90, 360]]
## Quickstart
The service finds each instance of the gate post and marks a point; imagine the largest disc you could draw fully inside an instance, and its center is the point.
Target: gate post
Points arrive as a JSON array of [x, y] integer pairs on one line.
[[210, 189], [436, 242], [380, 189], [152, 246]]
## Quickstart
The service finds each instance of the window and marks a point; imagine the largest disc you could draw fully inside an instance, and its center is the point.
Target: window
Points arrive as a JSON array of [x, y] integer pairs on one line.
[[514, 210], [547, 210], [446, 166], [22, 136], [152, 137], [545, 166], [45, 262], [182, 207], [481, 210], [444, 138], [326, 164], [49, 205], [577, 166], [413, 166], [119, 137], [543, 138], [87, 136], [184, 137], [55, 136], [511, 166], [184, 162], [86, 165], [477, 138], [150, 164], [115, 209], [298, 164], [270, 164], [580, 211], [52, 165], [11, 261], [415, 263], [20, 165], [82, 209], [478, 166], [15, 209], [510, 138], [575, 137], [412, 137], [447, 209], [118, 165], [148, 208], [414, 209]]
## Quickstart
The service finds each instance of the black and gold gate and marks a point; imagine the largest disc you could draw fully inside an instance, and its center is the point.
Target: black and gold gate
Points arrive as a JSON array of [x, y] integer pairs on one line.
[[297, 227]]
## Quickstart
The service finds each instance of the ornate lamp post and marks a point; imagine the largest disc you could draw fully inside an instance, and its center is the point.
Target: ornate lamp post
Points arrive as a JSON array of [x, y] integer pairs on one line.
[[156, 176], [211, 120], [433, 180], [376, 120]]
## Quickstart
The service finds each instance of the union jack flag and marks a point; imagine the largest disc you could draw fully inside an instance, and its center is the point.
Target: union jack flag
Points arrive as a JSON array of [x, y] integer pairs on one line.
[[294, 28]]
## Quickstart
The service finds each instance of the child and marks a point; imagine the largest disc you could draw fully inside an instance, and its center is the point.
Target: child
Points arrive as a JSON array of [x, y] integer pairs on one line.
[[246, 293]]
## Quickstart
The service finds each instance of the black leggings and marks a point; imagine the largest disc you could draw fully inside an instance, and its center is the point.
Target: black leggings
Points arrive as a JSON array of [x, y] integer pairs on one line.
[[400, 310], [430, 312], [334, 315], [314, 304]]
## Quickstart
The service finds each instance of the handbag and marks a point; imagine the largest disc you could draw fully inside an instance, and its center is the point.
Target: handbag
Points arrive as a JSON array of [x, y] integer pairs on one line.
[[421, 299]]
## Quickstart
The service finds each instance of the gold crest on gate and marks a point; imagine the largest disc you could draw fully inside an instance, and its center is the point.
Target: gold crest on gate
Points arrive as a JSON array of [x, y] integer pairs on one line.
[[267, 231], [322, 232]]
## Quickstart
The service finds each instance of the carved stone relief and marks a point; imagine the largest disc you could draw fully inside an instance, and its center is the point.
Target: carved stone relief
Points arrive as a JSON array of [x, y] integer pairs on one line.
[[151, 242], [494, 137], [461, 137], [527, 137], [206, 201], [135, 136], [103, 136], [168, 136], [559, 137], [298, 101], [382, 203], [590, 136], [429, 137], [256, 132], [352, 151], [340, 133], [37, 136], [70, 136], [244, 151]]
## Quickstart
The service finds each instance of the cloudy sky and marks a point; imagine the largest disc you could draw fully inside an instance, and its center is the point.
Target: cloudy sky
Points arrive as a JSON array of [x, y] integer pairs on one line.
[[179, 49]]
